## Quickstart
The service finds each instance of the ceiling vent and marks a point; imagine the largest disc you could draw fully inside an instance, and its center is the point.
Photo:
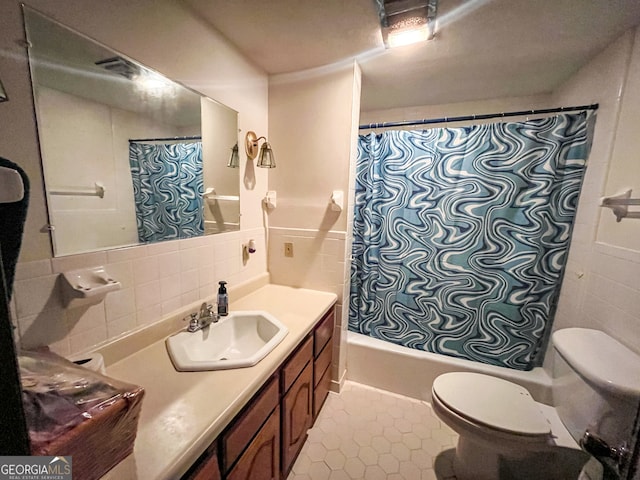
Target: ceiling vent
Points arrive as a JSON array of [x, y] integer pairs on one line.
[[407, 21], [120, 66]]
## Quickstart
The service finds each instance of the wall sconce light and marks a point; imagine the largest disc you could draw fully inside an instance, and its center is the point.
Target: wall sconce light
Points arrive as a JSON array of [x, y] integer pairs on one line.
[[234, 160], [266, 159]]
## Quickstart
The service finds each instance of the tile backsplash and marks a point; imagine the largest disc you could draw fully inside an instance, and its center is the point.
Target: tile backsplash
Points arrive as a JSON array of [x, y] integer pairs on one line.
[[156, 280], [318, 263]]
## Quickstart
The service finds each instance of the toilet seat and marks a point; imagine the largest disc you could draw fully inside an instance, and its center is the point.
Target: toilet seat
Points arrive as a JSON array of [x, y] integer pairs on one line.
[[493, 403]]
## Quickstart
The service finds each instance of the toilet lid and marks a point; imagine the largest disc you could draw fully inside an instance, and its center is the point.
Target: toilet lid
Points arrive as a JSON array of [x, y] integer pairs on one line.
[[491, 401]]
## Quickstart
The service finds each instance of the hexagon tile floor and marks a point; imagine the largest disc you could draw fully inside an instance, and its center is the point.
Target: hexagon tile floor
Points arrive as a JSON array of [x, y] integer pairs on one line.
[[368, 433]]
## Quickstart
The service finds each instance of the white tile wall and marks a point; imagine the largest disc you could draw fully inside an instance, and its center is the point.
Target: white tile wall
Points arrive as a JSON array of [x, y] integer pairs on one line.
[[156, 280], [601, 287], [318, 263]]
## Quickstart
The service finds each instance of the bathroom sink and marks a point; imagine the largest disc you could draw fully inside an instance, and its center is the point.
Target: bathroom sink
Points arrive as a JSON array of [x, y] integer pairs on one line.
[[238, 340]]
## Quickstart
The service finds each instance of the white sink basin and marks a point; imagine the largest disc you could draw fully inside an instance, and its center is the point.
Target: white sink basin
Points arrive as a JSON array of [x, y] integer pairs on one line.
[[239, 340]]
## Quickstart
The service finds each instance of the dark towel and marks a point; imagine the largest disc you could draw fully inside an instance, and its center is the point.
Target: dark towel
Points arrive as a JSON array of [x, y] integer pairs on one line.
[[12, 218]]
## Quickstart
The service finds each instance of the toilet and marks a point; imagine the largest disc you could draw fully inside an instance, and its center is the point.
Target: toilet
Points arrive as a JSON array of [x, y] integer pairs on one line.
[[504, 433]]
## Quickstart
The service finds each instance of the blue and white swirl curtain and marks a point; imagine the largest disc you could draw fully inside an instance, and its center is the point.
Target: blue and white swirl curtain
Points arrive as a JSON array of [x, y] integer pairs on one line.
[[461, 236], [168, 189]]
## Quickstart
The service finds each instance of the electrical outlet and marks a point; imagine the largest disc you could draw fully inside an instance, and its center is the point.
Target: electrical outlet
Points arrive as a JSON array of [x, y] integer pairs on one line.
[[288, 249]]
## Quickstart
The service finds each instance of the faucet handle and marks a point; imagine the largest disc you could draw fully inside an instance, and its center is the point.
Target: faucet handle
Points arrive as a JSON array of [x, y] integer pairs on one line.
[[193, 320], [212, 308]]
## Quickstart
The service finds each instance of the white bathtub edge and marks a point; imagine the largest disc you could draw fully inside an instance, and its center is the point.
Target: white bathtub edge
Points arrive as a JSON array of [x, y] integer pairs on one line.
[[377, 363]]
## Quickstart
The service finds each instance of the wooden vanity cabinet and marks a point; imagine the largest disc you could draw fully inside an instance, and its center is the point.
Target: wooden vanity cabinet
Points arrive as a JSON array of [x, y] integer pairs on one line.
[[323, 353], [207, 467], [265, 438], [261, 459], [245, 427], [297, 402]]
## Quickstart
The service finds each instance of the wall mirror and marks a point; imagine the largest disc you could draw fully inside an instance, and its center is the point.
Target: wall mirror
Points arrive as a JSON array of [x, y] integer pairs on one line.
[[128, 155]]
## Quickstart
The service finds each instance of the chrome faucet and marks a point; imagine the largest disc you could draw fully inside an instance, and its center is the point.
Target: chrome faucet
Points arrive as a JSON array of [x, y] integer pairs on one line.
[[206, 316]]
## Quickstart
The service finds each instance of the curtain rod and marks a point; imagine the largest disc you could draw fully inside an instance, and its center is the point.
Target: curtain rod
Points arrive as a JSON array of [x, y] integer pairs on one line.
[[483, 116], [167, 139]]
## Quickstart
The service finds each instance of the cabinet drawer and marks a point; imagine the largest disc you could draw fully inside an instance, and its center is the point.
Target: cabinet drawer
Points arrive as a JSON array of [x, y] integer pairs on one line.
[[296, 364], [261, 460], [323, 332], [321, 363], [321, 391], [245, 427]]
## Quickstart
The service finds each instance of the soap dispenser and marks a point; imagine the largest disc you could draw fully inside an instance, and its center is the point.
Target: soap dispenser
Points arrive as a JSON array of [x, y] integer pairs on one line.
[[223, 300]]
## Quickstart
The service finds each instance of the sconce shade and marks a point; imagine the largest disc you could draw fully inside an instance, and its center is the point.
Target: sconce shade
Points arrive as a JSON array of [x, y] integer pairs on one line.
[[267, 159], [234, 160]]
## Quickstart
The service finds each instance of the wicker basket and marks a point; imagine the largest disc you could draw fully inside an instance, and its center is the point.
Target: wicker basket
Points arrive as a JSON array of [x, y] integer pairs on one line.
[[102, 433]]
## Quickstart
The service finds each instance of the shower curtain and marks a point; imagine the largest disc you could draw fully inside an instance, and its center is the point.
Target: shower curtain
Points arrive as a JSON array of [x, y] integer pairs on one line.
[[461, 236], [168, 189]]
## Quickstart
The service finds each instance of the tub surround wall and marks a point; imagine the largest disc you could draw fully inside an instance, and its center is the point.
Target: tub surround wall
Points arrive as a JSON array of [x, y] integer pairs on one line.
[[313, 119], [624, 171], [601, 288]]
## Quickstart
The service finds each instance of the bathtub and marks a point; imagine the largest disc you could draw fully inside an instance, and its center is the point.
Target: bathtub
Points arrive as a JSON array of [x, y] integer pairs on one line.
[[411, 372]]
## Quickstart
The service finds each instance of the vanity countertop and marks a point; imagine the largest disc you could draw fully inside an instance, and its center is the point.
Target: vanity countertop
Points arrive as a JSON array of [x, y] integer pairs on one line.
[[183, 412]]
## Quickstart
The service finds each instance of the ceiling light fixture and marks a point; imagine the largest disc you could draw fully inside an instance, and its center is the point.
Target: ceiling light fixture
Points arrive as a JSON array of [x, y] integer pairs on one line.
[[404, 22]]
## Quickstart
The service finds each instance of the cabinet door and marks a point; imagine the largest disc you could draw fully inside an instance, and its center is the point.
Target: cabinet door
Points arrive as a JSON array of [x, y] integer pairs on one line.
[[261, 460], [246, 426], [206, 468], [297, 416]]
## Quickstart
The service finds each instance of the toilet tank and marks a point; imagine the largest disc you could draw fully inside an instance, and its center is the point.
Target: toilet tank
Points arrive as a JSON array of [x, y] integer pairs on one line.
[[596, 384]]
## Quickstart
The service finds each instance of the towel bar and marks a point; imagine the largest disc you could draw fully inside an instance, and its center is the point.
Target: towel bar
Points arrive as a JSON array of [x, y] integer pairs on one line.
[[620, 205]]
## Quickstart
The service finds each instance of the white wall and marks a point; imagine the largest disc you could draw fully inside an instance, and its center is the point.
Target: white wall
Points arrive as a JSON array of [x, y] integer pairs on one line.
[[313, 123], [601, 288], [220, 132], [157, 279], [624, 171], [495, 105]]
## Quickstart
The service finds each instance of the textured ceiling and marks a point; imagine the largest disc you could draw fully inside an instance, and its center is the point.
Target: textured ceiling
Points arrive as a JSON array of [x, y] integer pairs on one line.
[[483, 48]]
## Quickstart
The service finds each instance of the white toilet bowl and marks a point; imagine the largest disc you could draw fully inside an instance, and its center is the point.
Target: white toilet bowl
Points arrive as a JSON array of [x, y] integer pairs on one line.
[[506, 434], [498, 423]]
